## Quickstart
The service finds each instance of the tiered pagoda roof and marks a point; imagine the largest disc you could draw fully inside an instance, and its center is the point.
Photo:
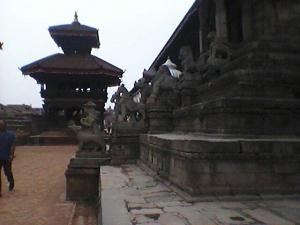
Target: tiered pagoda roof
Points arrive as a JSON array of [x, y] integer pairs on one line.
[[72, 64], [75, 37], [76, 41]]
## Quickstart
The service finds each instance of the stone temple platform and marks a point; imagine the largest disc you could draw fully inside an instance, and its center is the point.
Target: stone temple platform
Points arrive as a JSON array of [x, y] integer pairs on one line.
[[130, 196], [210, 164]]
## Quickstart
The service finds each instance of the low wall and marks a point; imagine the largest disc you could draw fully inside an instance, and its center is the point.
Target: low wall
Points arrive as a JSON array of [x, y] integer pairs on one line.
[[207, 165]]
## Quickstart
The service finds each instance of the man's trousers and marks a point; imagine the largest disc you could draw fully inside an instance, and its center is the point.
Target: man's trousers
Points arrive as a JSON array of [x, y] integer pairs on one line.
[[7, 167]]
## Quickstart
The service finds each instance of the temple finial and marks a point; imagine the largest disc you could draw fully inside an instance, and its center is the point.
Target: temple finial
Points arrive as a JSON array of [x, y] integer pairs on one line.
[[76, 17]]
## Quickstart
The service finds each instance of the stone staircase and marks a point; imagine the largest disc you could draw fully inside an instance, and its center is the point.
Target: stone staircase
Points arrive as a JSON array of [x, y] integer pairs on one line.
[[53, 137]]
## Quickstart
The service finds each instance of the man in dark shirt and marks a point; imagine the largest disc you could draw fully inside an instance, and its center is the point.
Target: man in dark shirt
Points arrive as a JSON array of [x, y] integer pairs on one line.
[[7, 150]]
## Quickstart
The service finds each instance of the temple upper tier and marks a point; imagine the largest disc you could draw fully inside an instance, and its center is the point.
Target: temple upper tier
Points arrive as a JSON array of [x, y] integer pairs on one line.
[[76, 41], [75, 38], [68, 80]]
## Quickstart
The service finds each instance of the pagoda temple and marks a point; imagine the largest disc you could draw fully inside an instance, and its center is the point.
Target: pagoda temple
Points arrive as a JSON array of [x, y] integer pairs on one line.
[[70, 79]]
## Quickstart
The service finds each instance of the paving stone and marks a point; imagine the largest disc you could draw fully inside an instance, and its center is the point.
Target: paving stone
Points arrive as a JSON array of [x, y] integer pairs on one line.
[[162, 197], [152, 213], [114, 210], [141, 179], [292, 214], [131, 191], [119, 180], [136, 173], [170, 204], [140, 219], [134, 199], [206, 206], [152, 223], [131, 206], [159, 194], [267, 217], [269, 197], [226, 216], [173, 209], [283, 203], [233, 205], [148, 199], [155, 189], [170, 219], [146, 184], [247, 197], [196, 218], [255, 204]]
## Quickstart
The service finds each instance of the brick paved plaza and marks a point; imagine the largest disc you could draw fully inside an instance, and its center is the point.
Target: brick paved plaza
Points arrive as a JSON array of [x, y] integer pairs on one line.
[[39, 195]]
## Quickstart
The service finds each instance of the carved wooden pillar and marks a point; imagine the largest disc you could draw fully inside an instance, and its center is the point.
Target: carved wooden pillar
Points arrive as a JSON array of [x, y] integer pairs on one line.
[[206, 15], [270, 16], [247, 12], [203, 29], [221, 20]]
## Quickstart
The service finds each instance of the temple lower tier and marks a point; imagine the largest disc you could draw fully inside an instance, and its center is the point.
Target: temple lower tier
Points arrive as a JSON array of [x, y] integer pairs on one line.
[[216, 165]]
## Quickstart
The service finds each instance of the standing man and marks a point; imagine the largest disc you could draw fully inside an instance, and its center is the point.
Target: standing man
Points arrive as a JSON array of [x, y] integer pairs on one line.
[[7, 151]]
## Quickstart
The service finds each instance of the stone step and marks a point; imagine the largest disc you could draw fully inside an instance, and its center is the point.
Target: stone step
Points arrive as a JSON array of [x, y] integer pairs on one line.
[[52, 138], [15, 123], [224, 165], [269, 45], [240, 115], [269, 61], [16, 126], [18, 119], [11, 117]]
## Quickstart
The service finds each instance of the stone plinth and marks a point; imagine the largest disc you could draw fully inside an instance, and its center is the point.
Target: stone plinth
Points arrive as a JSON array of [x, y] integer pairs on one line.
[[82, 184], [125, 142], [160, 119], [240, 115], [225, 165], [82, 176], [257, 91]]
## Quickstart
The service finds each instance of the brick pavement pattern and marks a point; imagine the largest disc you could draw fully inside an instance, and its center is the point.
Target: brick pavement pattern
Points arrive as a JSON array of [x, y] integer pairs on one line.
[[39, 195]]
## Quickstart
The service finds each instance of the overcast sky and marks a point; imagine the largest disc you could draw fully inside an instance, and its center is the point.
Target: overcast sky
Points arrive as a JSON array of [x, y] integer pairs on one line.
[[131, 32]]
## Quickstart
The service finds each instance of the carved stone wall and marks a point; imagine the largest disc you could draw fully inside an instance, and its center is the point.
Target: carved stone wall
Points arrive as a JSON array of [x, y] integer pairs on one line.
[[215, 166], [236, 130]]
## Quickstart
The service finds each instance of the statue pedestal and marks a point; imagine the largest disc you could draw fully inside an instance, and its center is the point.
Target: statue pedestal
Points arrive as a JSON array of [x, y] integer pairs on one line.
[[160, 119], [188, 89], [125, 142], [83, 176]]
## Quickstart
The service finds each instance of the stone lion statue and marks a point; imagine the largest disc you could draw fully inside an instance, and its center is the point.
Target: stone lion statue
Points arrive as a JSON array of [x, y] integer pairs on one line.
[[89, 134], [126, 109]]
